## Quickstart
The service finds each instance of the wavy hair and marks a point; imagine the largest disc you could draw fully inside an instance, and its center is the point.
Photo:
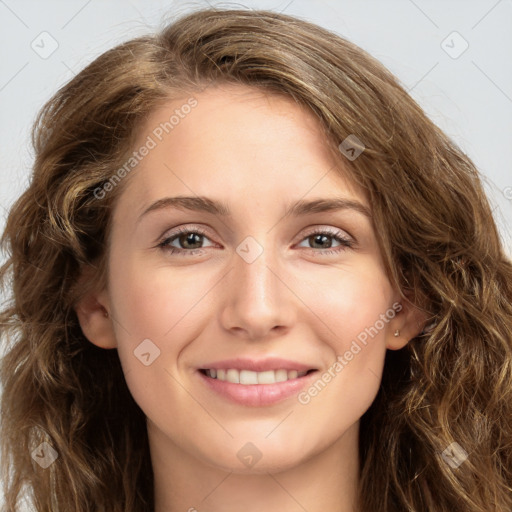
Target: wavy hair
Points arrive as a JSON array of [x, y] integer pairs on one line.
[[450, 384]]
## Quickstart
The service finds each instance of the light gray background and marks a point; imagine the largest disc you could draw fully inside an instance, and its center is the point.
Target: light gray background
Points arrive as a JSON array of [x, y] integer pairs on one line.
[[468, 95]]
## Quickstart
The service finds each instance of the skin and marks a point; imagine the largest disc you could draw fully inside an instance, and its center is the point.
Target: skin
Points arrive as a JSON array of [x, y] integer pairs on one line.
[[258, 154]]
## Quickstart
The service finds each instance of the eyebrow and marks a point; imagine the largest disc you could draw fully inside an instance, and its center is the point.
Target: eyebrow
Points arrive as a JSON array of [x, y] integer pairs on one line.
[[299, 208]]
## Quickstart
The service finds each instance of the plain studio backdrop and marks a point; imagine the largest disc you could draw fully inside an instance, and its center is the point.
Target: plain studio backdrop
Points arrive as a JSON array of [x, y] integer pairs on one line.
[[453, 57]]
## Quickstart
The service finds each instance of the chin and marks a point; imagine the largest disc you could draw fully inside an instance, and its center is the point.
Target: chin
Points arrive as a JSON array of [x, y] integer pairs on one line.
[[257, 457]]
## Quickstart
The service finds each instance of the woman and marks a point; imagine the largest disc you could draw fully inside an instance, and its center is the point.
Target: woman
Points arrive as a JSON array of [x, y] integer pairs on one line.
[[258, 371]]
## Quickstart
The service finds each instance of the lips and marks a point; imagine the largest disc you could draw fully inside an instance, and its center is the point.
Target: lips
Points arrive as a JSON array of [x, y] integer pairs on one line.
[[256, 383]]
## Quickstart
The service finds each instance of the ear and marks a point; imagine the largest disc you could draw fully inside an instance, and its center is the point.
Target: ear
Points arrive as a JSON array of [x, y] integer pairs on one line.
[[408, 322], [94, 317]]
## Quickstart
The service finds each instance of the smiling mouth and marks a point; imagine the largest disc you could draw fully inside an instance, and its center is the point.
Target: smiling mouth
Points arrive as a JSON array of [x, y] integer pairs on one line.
[[248, 377]]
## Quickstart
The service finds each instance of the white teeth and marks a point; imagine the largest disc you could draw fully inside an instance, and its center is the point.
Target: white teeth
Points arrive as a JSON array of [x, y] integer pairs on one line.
[[268, 377], [233, 376], [281, 375], [247, 377]]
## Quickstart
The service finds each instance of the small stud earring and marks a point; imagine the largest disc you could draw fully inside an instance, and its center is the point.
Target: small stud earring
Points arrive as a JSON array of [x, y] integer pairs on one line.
[[397, 333], [105, 314]]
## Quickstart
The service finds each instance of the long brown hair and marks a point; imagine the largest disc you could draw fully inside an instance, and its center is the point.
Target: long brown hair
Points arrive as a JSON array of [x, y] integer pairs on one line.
[[451, 384]]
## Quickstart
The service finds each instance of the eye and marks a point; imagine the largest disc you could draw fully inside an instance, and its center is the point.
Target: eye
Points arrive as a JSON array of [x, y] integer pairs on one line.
[[322, 235], [191, 239], [187, 238]]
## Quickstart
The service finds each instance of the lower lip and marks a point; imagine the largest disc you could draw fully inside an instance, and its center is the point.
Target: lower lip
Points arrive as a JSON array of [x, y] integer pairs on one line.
[[257, 395]]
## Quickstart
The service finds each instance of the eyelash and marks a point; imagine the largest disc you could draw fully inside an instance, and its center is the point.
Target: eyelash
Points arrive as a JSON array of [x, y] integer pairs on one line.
[[345, 242]]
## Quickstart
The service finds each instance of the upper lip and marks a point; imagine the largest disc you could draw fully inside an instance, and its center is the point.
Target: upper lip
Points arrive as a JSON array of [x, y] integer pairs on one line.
[[258, 365]]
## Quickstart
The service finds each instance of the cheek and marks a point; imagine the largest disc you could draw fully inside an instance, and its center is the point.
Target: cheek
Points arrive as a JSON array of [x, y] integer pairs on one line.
[[155, 302], [353, 301], [163, 305], [356, 308], [156, 319]]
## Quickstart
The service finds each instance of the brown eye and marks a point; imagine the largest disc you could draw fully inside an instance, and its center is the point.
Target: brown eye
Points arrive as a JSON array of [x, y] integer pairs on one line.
[[185, 241], [322, 239]]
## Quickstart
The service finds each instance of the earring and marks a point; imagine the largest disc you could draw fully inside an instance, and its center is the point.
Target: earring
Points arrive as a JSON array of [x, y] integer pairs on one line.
[[105, 314], [397, 333]]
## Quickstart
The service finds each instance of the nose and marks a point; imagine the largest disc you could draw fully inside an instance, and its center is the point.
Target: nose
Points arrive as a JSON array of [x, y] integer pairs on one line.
[[258, 302]]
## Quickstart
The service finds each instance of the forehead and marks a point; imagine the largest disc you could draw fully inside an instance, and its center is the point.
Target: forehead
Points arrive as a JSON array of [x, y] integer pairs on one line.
[[233, 137]]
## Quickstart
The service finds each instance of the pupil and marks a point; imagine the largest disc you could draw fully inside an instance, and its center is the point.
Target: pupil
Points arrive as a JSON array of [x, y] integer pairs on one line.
[[320, 238], [189, 239]]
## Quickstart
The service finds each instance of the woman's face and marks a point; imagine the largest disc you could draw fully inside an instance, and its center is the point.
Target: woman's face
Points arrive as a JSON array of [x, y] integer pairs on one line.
[[255, 291]]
